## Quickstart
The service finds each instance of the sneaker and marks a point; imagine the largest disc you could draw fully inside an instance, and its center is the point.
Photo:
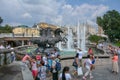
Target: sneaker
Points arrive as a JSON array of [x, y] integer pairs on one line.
[[91, 77], [84, 78]]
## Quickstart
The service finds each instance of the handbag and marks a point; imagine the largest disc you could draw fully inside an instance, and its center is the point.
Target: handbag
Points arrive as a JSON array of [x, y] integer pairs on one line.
[[74, 64], [79, 71]]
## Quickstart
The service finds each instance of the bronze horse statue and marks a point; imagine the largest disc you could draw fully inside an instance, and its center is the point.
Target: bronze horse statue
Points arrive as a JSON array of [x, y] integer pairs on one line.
[[48, 38], [57, 38], [40, 41]]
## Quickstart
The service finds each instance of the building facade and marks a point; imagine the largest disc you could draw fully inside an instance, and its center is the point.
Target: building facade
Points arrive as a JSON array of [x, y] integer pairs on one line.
[[20, 31]]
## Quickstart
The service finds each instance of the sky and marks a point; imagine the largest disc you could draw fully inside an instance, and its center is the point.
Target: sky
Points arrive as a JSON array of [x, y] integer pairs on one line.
[[57, 12]]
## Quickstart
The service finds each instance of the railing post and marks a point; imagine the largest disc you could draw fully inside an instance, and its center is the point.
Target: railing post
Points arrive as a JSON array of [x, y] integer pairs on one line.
[[5, 58], [2, 57], [22, 42]]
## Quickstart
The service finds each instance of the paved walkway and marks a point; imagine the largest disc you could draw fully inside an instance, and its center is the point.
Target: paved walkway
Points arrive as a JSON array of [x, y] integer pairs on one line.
[[102, 70]]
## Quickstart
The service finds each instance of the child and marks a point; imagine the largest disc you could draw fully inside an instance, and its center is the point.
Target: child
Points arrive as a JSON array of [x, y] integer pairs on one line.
[[34, 68], [38, 58], [93, 61]]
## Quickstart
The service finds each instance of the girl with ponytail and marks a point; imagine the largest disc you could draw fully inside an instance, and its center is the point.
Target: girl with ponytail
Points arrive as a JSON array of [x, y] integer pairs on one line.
[[65, 75]]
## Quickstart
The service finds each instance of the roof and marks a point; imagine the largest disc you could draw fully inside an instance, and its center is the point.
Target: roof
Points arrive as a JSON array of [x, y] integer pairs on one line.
[[46, 25], [23, 26]]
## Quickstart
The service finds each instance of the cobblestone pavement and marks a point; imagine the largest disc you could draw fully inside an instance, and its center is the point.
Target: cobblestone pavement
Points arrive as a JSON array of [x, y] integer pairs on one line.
[[102, 70]]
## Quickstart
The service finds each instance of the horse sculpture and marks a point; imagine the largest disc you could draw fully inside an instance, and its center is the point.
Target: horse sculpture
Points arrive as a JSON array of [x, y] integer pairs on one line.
[[53, 40], [49, 33], [47, 40], [58, 35], [41, 41]]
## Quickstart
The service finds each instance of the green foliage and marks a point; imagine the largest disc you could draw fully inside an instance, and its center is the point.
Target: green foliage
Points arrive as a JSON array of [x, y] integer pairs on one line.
[[117, 43], [110, 22], [6, 29], [1, 20], [95, 38]]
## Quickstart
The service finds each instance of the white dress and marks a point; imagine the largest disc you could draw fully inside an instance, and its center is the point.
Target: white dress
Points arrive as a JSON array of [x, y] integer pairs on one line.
[[67, 75]]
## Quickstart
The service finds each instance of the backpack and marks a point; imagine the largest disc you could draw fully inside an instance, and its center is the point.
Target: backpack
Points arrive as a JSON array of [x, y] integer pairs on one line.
[[93, 61], [58, 66]]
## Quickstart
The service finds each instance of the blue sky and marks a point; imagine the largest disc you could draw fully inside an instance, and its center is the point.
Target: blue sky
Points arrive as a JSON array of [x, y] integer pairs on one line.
[[113, 4], [58, 12]]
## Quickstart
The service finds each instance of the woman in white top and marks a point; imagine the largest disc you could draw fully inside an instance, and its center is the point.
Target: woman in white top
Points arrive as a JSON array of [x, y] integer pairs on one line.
[[65, 75], [88, 65], [80, 55]]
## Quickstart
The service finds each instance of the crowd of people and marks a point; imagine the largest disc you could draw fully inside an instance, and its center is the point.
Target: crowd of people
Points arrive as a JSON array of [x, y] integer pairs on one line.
[[113, 49], [42, 64], [88, 63], [50, 63]]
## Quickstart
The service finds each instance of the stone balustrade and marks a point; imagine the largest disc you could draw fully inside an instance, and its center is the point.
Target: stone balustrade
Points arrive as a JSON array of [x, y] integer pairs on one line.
[[2, 35], [5, 56]]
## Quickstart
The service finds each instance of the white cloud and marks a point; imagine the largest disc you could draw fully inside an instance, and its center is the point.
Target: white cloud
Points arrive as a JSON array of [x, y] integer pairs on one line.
[[57, 20], [82, 12], [55, 12], [90, 22], [99, 11], [26, 15]]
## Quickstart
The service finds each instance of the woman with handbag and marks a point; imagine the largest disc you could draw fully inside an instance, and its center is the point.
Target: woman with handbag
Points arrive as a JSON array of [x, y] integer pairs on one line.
[[75, 63]]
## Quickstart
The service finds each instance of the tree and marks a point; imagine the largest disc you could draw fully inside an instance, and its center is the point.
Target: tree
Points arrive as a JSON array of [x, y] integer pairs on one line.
[[110, 22], [1, 20], [6, 29], [95, 38]]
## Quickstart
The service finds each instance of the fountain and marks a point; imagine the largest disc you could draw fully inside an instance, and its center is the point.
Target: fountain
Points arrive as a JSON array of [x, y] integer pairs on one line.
[[80, 40], [83, 31], [48, 39], [70, 40], [51, 39], [80, 37]]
